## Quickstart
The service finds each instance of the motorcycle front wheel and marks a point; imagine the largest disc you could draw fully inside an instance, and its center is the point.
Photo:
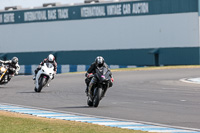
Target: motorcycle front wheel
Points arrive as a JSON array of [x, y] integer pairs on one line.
[[36, 89], [41, 84], [97, 97]]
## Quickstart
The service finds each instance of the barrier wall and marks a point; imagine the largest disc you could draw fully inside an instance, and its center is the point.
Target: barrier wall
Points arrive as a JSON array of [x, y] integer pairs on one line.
[[29, 69], [137, 57]]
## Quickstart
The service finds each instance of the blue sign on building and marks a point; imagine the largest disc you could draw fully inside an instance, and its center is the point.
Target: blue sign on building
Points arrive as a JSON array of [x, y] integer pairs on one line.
[[117, 9]]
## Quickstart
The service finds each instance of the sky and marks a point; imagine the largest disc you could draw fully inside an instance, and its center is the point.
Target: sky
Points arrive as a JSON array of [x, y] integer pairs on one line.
[[33, 3]]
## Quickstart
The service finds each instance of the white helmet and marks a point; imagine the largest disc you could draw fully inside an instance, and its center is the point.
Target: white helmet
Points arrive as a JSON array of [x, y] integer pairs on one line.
[[14, 60], [50, 58]]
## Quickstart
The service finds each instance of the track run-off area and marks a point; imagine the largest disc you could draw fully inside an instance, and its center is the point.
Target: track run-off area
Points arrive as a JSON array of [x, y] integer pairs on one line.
[[153, 97]]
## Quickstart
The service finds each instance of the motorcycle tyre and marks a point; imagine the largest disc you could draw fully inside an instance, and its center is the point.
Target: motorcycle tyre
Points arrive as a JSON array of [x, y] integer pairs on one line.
[[35, 89], [97, 97], [2, 81], [41, 84]]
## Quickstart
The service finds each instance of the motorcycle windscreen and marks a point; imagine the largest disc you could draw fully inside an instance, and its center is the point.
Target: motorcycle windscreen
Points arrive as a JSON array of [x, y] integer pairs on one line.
[[103, 74]]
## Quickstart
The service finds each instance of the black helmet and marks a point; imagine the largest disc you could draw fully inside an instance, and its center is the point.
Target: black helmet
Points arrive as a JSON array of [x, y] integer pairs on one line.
[[99, 61], [14, 60]]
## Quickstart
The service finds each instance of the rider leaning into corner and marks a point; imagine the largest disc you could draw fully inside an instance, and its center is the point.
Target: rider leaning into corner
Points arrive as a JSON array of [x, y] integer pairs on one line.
[[49, 59], [13, 67], [90, 74]]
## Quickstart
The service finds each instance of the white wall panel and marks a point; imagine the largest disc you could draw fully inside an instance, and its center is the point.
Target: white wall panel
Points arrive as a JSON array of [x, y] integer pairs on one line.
[[134, 32]]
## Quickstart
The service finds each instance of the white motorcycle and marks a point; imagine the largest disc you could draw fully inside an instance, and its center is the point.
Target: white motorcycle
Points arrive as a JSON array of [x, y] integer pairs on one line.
[[44, 76]]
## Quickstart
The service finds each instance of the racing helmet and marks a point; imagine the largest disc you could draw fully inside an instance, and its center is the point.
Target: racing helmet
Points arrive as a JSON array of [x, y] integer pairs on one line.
[[99, 61], [14, 60], [51, 58]]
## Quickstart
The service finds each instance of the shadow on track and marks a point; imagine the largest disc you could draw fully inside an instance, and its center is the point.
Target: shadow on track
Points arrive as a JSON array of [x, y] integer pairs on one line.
[[27, 92], [5, 87], [73, 107], [2, 87], [80, 107]]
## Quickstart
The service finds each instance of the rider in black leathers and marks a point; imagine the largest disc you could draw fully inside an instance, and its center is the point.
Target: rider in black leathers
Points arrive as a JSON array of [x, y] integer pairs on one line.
[[91, 79]]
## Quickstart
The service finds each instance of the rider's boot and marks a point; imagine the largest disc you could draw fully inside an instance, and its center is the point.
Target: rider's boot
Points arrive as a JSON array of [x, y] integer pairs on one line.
[[86, 90], [36, 71], [33, 77]]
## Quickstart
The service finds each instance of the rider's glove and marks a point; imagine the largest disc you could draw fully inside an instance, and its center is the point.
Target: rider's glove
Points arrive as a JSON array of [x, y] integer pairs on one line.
[[112, 79], [16, 73], [90, 75]]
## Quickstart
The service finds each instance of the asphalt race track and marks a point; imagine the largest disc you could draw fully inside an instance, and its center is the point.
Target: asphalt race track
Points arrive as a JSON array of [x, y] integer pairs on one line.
[[155, 96]]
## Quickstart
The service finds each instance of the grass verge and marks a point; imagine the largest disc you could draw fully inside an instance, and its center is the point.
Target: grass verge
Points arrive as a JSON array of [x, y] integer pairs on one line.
[[22, 123]]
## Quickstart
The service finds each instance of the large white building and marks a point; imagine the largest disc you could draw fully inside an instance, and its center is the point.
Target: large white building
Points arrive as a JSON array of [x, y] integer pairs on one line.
[[145, 32]]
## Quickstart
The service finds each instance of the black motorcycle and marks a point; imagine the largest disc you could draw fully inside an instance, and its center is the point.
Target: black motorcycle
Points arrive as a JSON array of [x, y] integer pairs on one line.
[[99, 89]]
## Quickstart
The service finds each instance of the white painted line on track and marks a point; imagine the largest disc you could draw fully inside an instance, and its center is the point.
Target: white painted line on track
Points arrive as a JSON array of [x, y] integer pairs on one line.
[[140, 127], [191, 80], [132, 125], [120, 123], [55, 115], [170, 131]]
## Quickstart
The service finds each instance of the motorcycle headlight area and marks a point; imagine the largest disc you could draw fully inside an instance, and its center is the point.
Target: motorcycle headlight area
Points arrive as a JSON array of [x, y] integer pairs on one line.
[[3, 69]]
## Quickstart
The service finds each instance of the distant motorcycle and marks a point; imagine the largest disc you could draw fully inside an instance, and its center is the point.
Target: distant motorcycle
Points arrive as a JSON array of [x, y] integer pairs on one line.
[[5, 76], [98, 90], [44, 76]]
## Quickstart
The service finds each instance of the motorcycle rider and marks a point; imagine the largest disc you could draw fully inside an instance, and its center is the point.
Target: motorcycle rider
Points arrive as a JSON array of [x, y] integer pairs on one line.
[[13, 68], [90, 74], [49, 59]]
